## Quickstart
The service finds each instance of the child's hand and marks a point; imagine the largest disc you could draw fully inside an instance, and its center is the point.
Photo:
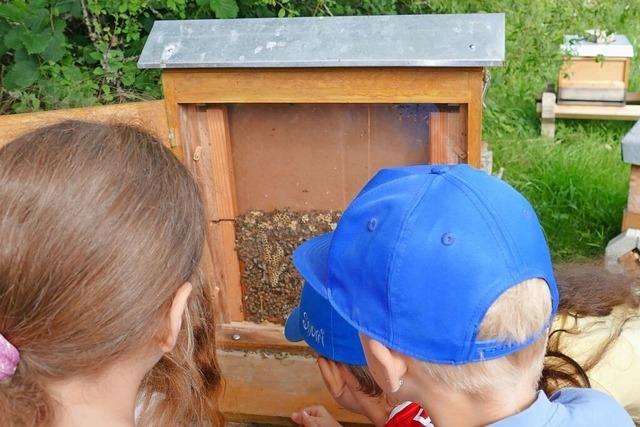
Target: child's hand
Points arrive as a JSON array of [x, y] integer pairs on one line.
[[315, 416]]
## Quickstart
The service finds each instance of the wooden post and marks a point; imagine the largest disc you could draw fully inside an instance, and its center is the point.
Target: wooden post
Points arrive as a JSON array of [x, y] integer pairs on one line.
[[548, 116], [631, 215], [633, 202], [172, 113], [474, 117], [206, 148], [447, 135]]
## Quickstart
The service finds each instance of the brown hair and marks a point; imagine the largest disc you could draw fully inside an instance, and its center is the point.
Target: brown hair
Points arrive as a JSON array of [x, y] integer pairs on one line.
[[365, 380], [585, 290], [100, 225]]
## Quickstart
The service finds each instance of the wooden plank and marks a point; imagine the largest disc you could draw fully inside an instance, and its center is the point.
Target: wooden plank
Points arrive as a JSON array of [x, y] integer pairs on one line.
[[474, 118], [269, 387], [324, 85], [205, 147], [447, 135], [630, 220], [226, 259], [599, 112], [438, 137], [148, 115], [254, 336], [633, 201], [172, 112], [221, 163]]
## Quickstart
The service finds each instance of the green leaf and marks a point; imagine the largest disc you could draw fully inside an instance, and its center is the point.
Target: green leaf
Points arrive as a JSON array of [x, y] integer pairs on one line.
[[202, 3], [224, 8], [12, 39], [282, 13], [13, 12], [36, 42], [95, 55], [4, 29], [55, 49], [38, 19], [21, 55], [21, 74]]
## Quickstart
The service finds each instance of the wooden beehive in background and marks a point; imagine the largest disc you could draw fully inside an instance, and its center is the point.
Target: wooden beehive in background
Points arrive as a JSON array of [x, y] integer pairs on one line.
[[597, 72]]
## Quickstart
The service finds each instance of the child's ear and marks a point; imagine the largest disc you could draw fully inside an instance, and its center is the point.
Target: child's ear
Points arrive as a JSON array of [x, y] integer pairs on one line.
[[174, 321], [332, 376], [386, 366]]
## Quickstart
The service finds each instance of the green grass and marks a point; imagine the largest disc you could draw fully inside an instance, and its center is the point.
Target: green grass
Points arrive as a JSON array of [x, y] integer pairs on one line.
[[577, 183]]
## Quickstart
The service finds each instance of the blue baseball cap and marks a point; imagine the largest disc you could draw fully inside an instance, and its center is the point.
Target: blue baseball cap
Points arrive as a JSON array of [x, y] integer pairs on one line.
[[316, 322], [421, 254]]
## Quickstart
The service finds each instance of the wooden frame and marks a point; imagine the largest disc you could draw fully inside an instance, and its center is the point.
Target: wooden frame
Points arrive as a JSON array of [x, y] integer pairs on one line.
[[198, 133]]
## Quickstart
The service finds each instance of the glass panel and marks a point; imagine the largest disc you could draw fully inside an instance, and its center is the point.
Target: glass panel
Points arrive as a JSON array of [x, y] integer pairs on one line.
[[297, 166]]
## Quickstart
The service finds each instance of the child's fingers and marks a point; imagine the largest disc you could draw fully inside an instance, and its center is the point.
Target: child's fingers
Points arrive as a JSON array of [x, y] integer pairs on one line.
[[314, 416], [296, 417], [304, 419]]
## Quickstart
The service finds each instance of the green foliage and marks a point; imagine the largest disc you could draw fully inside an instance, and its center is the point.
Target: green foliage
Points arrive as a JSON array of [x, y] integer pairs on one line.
[[66, 53]]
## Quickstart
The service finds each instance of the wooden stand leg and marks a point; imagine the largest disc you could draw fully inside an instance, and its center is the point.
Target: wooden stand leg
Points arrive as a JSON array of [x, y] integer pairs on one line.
[[548, 116]]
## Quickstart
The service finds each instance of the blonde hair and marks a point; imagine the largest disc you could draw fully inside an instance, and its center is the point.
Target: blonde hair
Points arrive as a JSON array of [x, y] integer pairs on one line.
[[517, 315], [99, 227]]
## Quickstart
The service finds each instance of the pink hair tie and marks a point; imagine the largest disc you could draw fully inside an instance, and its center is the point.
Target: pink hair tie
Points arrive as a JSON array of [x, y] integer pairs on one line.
[[9, 358]]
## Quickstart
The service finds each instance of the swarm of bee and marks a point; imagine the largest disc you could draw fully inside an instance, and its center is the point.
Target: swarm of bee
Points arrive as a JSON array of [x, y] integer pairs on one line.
[[265, 242]]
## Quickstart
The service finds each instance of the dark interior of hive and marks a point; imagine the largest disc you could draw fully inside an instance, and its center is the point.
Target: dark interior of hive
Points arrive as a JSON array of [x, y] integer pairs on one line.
[[296, 167]]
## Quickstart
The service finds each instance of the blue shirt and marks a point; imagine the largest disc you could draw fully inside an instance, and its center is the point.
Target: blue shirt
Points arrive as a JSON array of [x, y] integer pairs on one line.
[[574, 407]]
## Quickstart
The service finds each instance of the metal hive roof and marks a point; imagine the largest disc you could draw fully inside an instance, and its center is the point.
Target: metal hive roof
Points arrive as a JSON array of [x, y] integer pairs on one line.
[[464, 40]]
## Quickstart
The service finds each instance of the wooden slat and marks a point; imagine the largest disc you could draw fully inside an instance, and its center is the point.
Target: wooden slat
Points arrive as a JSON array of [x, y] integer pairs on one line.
[[222, 163], [148, 115], [252, 336], [269, 388], [448, 136], [206, 151], [474, 119], [438, 136], [172, 113], [325, 85], [600, 112], [633, 201]]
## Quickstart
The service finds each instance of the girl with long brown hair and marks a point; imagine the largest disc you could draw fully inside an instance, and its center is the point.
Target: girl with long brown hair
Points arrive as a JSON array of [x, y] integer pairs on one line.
[[101, 304], [595, 338]]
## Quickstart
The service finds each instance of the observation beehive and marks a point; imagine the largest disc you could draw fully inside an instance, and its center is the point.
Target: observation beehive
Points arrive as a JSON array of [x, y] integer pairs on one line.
[[282, 121]]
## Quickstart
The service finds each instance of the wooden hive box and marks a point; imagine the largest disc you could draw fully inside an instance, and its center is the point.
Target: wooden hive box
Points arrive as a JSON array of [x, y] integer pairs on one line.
[[282, 121], [597, 72]]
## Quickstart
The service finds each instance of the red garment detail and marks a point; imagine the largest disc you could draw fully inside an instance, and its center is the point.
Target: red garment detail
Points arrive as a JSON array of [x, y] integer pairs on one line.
[[412, 415]]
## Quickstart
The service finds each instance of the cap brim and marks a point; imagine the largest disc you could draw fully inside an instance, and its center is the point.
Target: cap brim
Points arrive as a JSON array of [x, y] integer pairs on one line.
[[311, 259], [292, 331]]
